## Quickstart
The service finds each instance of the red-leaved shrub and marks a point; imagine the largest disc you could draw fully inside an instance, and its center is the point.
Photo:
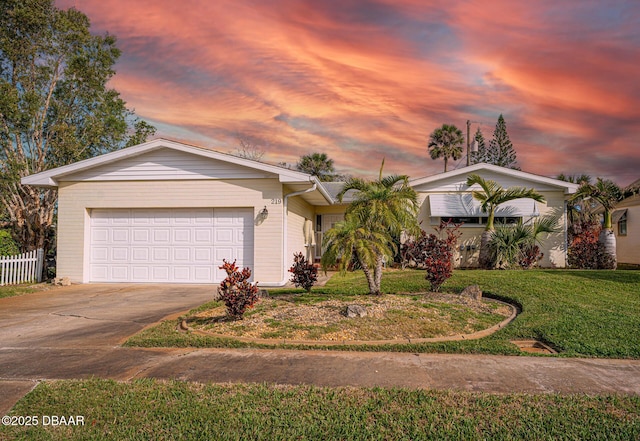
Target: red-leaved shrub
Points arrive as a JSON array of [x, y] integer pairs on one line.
[[585, 251], [304, 273], [433, 253], [236, 291]]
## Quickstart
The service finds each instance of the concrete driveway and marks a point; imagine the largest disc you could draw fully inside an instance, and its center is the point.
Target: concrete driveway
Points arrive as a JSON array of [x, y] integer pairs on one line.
[[92, 315]]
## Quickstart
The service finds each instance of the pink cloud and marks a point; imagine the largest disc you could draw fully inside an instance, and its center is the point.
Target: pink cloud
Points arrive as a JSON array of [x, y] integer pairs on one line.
[[365, 80]]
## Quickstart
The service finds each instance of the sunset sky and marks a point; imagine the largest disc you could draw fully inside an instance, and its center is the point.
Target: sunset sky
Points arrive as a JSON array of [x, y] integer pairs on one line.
[[363, 80]]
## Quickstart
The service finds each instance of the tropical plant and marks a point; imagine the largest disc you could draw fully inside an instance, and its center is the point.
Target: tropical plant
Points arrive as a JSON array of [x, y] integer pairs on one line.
[[436, 256], [304, 273], [380, 210], [349, 240], [580, 211], [55, 107], [237, 293], [490, 197], [446, 142], [317, 164], [606, 193], [519, 245]]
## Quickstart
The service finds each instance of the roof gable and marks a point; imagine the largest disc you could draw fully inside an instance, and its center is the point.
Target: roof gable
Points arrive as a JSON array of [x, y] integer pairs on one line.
[[456, 180], [164, 159]]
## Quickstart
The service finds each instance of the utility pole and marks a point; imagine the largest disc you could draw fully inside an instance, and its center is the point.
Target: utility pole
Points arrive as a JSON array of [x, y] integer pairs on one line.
[[468, 144]]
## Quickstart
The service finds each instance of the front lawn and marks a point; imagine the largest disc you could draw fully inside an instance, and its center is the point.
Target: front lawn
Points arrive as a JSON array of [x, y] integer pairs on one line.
[[152, 409], [579, 313]]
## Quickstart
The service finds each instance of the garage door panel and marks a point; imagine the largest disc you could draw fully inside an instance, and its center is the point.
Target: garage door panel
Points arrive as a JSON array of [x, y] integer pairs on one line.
[[168, 245], [161, 235], [140, 254], [119, 254], [161, 254]]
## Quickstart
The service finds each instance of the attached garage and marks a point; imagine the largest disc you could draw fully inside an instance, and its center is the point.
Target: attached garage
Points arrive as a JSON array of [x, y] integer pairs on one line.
[[182, 245], [167, 212]]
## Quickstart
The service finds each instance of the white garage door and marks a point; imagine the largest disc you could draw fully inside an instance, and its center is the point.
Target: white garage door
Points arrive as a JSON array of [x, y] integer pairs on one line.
[[168, 245]]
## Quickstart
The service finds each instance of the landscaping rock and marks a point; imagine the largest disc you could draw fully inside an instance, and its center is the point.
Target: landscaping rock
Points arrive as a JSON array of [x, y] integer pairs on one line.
[[472, 292], [62, 281], [356, 311], [263, 294]]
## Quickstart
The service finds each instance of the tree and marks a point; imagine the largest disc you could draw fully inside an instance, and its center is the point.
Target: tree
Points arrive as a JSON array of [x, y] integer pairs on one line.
[[490, 197], [501, 150], [380, 210], [446, 142], [249, 149], [607, 194], [319, 165], [482, 154], [580, 211], [352, 239], [55, 107]]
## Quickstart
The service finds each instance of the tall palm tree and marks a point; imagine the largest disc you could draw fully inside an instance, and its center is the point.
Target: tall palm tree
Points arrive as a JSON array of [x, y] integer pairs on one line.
[[490, 197], [607, 194], [446, 142], [382, 208]]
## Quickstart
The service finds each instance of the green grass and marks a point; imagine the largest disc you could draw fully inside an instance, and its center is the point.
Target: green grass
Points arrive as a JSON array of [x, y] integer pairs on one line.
[[579, 313], [15, 290], [151, 409]]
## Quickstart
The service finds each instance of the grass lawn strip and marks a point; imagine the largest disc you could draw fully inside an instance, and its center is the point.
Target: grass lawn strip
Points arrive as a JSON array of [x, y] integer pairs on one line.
[[152, 409], [18, 290], [388, 317], [578, 313]]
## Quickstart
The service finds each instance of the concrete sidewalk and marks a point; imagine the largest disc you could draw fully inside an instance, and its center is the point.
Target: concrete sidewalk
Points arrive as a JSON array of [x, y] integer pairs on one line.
[[21, 369]]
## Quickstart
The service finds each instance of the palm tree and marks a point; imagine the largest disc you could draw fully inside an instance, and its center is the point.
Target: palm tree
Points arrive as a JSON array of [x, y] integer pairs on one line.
[[491, 196], [380, 210], [607, 194], [446, 142], [317, 164], [519, 244], [350, 239]]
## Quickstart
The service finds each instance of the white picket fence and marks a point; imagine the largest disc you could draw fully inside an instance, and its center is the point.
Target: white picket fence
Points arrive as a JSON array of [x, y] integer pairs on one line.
[[25, 267]]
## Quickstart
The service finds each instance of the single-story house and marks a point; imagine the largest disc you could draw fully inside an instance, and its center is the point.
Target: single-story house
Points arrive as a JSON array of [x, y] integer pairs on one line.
[[168, 212], [626, 219]]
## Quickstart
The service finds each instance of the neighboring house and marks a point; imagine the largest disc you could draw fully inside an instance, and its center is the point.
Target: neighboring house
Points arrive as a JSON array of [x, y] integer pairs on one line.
[[167, 212], [445, 196], [626, 219]]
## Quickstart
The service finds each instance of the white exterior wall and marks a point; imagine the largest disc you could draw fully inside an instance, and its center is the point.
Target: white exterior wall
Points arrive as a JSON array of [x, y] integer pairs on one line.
[[553, 246], [628, 247], [299, 212], [76, 199]]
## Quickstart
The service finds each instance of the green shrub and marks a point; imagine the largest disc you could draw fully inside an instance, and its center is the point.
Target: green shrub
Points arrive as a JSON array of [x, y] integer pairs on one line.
[[8, 246]]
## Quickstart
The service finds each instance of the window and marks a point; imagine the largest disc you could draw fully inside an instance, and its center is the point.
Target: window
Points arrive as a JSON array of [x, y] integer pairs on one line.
[[472, 221], [622, 225]]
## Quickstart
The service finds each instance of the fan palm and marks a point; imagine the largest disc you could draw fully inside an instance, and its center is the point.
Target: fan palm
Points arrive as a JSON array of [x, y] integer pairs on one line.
[[446, 142], [382, 208], [607, 194], [512, 244], [490, 197]]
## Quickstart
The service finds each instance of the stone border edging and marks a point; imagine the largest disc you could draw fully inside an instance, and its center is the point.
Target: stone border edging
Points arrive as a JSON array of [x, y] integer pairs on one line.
[[473, 336]]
